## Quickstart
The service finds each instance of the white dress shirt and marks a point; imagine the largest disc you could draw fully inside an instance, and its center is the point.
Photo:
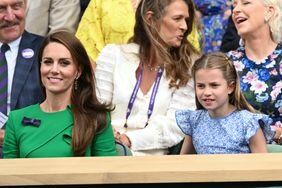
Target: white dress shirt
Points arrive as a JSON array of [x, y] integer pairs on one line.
[[11, 57]]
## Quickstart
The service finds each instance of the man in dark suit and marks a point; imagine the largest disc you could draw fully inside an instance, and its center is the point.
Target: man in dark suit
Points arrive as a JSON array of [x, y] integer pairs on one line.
[[23, 77]]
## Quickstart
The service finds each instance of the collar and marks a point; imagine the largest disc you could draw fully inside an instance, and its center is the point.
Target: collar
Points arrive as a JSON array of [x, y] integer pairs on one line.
[[131, 48], [14, 45]]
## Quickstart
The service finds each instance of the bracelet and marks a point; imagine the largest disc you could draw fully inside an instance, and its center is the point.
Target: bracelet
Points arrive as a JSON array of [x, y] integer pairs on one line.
[[279, 140], [129, 141]]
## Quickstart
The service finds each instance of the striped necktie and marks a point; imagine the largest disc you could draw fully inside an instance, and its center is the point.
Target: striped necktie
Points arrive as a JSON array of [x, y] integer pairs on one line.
[[3, 79]]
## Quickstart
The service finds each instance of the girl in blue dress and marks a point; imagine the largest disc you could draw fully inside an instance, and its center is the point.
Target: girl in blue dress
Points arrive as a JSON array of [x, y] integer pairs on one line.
[[224, 122]]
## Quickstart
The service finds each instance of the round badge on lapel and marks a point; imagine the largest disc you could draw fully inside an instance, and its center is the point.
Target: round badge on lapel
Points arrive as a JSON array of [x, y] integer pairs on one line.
[[27, 53]]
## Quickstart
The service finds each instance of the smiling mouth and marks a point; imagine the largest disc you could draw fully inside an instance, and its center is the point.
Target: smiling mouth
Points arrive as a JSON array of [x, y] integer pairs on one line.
[[240, 20], [7, 25], [52, 78], [208, 100]]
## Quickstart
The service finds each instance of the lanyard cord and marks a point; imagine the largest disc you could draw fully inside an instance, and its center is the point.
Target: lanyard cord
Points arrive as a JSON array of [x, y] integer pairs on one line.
[[134, 95]]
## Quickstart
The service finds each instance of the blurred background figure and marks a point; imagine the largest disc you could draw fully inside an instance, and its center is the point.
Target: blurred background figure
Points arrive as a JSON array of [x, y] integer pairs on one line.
[[83, 6], [230, 39], [46, 16], [213, 15]]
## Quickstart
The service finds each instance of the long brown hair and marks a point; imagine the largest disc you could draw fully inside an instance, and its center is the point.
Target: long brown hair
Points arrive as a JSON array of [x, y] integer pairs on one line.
[[90, 116], [218, 60], [177, 61]]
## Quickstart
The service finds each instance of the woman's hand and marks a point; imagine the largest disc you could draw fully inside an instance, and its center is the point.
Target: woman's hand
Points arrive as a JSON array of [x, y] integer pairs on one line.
[[278, 132], [122, 138], [125, 140], [116, 134], [2, 131]]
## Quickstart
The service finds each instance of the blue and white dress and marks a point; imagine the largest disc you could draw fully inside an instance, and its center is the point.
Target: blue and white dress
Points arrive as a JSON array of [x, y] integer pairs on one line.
[[227, 135]]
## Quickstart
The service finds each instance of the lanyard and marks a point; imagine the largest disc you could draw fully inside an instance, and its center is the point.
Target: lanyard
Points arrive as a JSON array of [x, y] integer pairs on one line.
[[152, 99]]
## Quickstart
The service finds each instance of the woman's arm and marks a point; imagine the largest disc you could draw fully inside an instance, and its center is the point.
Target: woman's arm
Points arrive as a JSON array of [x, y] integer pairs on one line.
[[11, 146], [104, 142], [162, 131]]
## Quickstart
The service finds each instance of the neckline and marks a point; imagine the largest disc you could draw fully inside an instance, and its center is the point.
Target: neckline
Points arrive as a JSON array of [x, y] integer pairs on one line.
[[264, 59], [57, 112], [224, 117]]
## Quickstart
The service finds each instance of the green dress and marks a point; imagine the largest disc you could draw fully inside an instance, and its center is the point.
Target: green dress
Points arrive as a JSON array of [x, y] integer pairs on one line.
[[52, 137]]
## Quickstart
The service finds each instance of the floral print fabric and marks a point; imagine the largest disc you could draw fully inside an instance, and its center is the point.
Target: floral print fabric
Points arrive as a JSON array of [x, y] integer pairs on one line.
[[214, 21], [261, 82], [227, 135]]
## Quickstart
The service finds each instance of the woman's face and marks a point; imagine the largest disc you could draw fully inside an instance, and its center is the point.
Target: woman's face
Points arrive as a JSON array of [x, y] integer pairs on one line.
[[58, 70], [249, 17], [173, 24]]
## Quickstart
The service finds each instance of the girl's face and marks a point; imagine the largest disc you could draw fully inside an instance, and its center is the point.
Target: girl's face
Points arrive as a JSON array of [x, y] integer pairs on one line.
[[249, 17], [173, 24], [58, 70], [212, 91]]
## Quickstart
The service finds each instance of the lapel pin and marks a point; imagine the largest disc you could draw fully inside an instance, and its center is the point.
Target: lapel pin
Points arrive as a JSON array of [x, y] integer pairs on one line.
[[31, 121], [27, 53]]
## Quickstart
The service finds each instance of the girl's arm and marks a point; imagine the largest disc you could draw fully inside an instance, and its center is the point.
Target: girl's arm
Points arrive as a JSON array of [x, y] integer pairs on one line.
[[258, 143], [187, 146]]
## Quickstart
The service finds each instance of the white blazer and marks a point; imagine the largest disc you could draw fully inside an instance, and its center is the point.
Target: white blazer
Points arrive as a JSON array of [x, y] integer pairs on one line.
[[115, 80]]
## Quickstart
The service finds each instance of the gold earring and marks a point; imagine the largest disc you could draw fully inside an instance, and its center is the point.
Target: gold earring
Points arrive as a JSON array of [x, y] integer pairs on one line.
[[75, 84]]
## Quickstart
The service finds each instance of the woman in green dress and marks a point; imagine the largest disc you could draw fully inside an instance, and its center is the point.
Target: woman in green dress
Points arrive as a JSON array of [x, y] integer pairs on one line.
[[70, 121]]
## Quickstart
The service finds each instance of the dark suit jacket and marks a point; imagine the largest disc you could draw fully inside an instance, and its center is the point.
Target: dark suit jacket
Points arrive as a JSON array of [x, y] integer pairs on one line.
[[26, 89], [230, 39]]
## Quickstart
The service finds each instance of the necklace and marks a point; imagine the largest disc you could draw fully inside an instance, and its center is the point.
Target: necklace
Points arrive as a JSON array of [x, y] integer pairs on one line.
[[155, 68], [152, 98]]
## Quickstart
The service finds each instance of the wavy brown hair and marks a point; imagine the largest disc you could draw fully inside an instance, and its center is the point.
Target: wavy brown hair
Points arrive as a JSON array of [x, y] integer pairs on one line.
[[177, 61], [90, 116], [218, 60]]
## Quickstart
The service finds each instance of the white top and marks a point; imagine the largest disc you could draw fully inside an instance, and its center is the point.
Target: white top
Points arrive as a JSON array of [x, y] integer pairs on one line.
[[115, 79]]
